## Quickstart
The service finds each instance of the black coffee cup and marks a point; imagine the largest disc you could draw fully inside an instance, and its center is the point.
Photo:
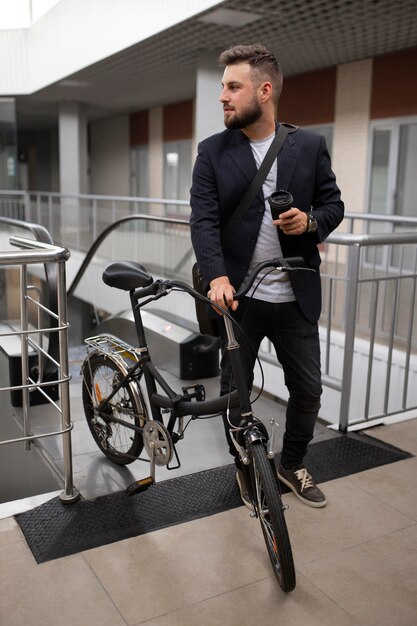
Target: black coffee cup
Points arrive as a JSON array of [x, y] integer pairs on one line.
[[280, 201]]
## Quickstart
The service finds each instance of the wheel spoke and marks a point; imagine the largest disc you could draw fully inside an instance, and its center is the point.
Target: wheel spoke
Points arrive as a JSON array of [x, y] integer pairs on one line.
[[118, 441]]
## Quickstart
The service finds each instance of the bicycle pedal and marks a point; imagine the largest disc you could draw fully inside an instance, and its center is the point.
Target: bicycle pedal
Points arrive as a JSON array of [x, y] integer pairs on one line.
[[139, 486]]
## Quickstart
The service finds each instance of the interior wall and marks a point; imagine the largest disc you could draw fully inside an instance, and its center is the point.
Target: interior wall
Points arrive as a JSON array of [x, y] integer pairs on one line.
[[309, 98], [394, 85]]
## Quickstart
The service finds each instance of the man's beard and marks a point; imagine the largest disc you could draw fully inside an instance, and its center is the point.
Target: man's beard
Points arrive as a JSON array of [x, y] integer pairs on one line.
[[249, 116]]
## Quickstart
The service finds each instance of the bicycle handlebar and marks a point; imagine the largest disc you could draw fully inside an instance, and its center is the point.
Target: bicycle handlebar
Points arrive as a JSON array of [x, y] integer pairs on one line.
[[202, 407], [289, 264], [131, 276]]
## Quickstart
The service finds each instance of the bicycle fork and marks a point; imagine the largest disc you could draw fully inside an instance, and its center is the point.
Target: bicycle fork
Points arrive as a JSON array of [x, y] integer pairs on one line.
[[256, 432]]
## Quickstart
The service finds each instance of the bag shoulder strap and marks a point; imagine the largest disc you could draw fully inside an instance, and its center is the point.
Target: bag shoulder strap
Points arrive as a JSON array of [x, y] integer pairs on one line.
[[250, 194]]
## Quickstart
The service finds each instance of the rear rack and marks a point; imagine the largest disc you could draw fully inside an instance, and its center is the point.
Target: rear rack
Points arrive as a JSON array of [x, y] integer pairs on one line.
[[114, 347]]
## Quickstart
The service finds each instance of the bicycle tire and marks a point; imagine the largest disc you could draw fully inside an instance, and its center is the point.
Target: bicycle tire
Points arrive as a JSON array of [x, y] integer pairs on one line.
[[270, 512], [122, 445]]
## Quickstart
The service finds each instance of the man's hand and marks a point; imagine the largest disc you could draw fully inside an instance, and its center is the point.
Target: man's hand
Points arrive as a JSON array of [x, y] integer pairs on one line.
[[221, 292], [292, 222]]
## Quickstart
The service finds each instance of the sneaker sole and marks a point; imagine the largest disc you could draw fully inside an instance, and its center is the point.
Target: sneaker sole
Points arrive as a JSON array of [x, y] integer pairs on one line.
[[315, 505]]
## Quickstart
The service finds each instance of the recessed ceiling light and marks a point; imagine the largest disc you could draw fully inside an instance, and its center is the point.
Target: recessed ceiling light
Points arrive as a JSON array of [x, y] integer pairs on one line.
[[227, 17]]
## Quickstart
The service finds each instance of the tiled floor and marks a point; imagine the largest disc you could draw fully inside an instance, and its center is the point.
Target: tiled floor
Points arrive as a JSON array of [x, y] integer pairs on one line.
[[356, 563]]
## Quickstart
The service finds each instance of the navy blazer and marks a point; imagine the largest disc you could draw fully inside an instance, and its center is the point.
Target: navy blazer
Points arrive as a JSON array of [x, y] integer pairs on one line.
[[223, 171]]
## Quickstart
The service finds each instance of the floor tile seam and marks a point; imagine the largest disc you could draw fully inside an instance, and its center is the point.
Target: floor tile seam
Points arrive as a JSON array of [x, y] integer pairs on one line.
[[353, 546], [373, 495], [102, 585], [207, 599], [330, 599], [385, 503]]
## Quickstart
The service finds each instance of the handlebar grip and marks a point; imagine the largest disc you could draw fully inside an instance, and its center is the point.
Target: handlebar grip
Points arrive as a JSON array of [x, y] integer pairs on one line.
[[293, 261], [151, 290], [289, 263]]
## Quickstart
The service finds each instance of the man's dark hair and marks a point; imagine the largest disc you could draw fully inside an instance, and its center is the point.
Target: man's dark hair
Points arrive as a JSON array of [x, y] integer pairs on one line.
[[260, 60]]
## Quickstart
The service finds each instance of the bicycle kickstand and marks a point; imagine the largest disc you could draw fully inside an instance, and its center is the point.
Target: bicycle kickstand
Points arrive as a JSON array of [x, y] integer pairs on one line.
[[144, 484]]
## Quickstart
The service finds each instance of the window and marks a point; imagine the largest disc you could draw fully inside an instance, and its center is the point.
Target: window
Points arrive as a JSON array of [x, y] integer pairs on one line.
[[392, 186], [139, 171], [392, 179], [177, 174], [7, 144]]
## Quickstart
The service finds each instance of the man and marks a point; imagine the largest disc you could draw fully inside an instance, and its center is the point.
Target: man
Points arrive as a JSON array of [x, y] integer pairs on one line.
[[285, 307]]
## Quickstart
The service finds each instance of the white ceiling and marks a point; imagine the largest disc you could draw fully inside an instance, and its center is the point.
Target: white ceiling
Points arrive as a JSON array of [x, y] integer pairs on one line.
[[304, 34]]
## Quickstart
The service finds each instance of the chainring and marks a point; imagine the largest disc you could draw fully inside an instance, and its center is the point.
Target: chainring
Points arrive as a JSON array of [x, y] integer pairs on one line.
[[155, 433]]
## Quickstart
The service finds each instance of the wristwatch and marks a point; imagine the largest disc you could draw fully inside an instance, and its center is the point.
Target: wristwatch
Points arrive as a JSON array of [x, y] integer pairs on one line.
[[311, 223]]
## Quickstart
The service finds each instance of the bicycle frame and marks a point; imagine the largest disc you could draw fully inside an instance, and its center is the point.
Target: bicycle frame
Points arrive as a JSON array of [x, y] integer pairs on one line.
[[128, 365], [140, 285], [172, 401]]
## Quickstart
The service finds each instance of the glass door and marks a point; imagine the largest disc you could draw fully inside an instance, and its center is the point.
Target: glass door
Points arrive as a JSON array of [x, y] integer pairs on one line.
[[392, 186]]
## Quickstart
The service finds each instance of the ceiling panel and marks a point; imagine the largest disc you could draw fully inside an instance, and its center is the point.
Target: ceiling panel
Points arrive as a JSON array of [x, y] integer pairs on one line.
[[304, 34]]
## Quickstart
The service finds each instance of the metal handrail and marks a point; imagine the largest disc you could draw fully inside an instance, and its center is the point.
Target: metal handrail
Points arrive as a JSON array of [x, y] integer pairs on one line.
[[34, 252], [106, 232], [355, 243], [42, 235], [333, 250], [375, 239]]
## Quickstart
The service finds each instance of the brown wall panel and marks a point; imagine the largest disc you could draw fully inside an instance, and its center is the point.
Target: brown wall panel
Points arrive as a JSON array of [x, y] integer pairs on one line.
[[139, 128], [178, 121], [394, 84], [309, 98]]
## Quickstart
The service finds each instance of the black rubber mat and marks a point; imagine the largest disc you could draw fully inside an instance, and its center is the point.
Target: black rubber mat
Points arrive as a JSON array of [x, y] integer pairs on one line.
[[54, 530]]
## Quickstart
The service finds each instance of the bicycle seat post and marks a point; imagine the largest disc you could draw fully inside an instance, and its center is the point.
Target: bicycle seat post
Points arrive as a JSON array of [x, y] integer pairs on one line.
[[232, 344]]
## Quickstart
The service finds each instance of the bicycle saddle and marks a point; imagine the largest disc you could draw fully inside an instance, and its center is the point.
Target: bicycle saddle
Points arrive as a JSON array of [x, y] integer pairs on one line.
[[126, 275]]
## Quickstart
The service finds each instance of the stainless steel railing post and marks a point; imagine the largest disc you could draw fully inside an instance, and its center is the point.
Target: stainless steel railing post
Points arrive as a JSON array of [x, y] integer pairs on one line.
[[350, 317], [70, 494], [24, 353]]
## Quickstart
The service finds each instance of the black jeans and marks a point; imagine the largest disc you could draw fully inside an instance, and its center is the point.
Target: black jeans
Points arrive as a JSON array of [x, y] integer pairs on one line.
[[296, 342]]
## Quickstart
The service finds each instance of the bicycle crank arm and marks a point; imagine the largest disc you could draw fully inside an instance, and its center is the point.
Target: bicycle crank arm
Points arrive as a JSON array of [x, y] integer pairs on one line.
[[144, 483], [270, 451]]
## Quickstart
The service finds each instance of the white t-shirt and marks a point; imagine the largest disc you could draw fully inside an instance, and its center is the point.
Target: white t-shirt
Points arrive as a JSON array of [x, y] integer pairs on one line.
[[276, 286]]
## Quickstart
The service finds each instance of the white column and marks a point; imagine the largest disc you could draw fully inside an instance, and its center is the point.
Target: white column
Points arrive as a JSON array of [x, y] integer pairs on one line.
[[72, 148], [208, 115], [351, 132]]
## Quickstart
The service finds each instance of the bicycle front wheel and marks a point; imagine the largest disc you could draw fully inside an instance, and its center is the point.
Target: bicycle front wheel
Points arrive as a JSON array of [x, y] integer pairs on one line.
[[270, 511], [118, 441]]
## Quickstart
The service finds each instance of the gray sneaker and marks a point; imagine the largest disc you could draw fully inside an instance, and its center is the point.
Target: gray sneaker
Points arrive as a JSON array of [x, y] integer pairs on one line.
[[302, 484], [240, 479]]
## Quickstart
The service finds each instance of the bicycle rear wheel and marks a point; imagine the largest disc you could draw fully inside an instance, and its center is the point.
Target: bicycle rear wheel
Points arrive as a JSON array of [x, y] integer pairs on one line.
[[121, 444], [270, 511]]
